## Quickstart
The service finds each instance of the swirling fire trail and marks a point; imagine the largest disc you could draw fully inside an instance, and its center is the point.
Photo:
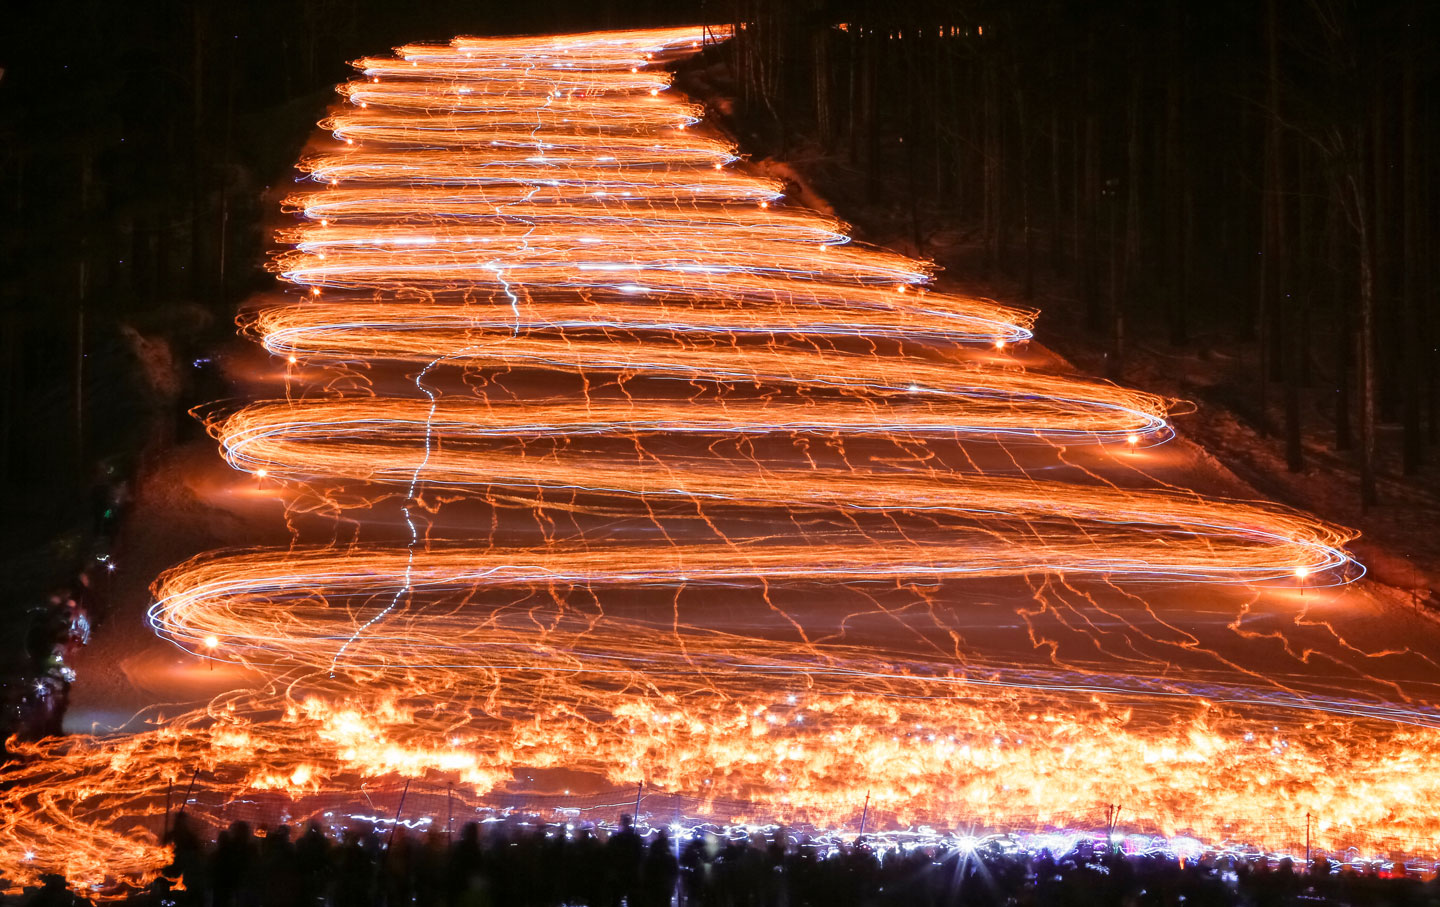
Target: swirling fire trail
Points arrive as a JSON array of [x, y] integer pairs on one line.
[[637, 472]]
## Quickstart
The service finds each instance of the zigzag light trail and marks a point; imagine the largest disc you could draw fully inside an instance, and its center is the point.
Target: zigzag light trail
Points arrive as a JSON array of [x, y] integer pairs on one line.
[[662, 480]]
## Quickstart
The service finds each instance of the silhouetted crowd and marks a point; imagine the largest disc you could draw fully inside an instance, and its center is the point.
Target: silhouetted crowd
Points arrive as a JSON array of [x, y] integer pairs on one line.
[[504, 863], [35, 678]]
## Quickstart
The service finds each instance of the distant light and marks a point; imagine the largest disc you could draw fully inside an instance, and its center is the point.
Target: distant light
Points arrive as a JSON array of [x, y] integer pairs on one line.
[[211, 642], [1132, 439], [261, 473], [1302, 572], [293, 360], [999, 344]]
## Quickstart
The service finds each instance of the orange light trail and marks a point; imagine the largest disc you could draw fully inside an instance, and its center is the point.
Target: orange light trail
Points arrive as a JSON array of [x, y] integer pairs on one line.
[[634, 471]]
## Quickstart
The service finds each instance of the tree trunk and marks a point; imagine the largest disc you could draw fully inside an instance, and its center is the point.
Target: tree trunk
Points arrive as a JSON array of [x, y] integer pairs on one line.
[[1128, 256], [1343, 313], [1027, 233], [1365, 340], [1176, 200], [1057, 215], [875, 40], [82, 290], [1278, 252], [1412, 334], [197, 154], [820, 49], [1088, 202]]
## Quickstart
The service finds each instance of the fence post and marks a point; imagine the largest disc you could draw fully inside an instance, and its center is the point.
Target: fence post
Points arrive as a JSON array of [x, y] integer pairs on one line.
[[188, 790], [1307, 840]]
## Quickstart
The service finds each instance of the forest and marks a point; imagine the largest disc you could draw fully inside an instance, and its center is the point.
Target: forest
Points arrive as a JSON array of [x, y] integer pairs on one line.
[[1253, 173]]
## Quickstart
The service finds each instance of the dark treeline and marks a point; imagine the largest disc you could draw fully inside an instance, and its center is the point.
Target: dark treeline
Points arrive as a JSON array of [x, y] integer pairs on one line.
[[529, 863], [1261, 171]]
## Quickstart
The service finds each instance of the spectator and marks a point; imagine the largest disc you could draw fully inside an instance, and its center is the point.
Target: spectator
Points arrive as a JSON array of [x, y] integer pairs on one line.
[[531, 864], [623, 853], [660, 873], [232, 867]]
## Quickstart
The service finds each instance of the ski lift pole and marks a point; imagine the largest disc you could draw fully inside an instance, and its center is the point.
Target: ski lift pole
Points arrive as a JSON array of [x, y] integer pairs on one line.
[[188, 790], [165, 829], [399, 808]]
